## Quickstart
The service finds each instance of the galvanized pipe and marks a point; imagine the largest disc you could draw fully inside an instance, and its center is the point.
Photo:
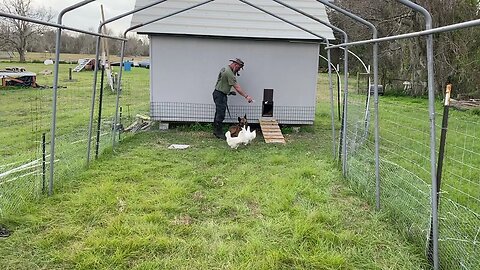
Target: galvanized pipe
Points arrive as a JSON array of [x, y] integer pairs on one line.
[[329, 62], [436, 30], [314, 34], [431, 108], [123, 53], [375, 89], [95, 72], [56, 25], [55, 88]]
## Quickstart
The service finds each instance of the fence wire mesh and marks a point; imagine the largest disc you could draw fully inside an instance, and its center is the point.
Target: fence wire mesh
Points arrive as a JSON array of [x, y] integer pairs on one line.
[[26, 115], [459, 211], [405, 172]]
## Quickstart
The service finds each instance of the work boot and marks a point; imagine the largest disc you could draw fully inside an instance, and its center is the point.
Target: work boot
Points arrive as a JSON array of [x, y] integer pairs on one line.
[[218, 131]]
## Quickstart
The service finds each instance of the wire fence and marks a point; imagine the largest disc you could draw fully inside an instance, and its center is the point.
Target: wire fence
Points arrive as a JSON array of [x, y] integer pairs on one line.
[[404, 155], [26, 117], [405, 173]]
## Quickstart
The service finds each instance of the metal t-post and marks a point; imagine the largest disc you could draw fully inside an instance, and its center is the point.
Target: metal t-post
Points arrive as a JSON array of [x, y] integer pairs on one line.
[[117, 100], [123, 53], [375, 89], [329, 62], [55, 87], [95, 72], [431, 109]]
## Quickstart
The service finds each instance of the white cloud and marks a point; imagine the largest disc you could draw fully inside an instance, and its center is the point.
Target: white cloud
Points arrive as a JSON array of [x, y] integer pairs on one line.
[[89, 16]]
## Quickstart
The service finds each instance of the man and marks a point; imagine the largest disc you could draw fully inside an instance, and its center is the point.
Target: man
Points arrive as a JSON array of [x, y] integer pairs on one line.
[[225, 81]]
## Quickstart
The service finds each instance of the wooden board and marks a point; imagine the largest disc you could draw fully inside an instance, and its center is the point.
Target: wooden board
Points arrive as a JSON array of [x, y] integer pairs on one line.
[[271, 131]]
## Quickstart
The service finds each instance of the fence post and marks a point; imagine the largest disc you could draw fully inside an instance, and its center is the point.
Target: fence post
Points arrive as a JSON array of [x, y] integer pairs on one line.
[[100, 99], [338, 93], [441, 152], [43, 163], [431, 110]]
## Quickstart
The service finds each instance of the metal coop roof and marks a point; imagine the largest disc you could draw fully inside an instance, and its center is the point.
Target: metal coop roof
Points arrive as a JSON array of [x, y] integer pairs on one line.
[[232, 18]]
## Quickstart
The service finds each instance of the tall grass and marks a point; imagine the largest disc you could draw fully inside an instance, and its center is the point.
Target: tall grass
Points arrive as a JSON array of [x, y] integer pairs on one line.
[[405, 178]]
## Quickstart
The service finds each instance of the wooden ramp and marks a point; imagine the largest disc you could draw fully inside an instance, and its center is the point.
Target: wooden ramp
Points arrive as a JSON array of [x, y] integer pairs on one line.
[[271, 131], [82, 64]]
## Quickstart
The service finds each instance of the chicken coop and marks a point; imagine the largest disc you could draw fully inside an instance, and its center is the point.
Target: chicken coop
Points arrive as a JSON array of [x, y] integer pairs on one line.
[[188, 50]]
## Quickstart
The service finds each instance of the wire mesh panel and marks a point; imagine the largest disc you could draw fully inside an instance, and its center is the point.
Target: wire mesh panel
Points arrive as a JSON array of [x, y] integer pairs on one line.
[[405, 166], [405, 173], [360, 147], [73, 110], [195, 112], [459, 212], [134, 99], [25, 114], [404, 161]]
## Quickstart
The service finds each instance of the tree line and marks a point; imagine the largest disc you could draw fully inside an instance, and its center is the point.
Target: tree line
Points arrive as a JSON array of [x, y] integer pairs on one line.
[[456, 54], [85, 44], [21, 36]]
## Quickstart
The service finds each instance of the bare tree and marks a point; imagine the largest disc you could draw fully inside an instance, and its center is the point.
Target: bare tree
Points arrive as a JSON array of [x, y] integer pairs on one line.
[[16, 34]]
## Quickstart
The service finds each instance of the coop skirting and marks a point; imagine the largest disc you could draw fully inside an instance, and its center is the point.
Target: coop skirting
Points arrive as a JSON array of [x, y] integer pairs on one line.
[[196, 112]]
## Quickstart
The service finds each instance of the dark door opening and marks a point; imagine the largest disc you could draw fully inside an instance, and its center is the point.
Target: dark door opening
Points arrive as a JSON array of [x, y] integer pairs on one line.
[[267, 104]]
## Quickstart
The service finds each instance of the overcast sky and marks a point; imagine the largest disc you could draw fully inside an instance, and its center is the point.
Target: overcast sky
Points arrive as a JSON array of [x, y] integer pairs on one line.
[[89, 16]]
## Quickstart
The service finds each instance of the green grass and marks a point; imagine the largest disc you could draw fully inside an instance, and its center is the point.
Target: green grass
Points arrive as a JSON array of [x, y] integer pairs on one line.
[[261, 207], [26, 113], [405, 173], [207, 207]]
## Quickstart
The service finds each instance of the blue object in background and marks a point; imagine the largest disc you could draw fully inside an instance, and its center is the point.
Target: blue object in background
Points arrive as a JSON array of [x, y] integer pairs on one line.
[[127, 66]]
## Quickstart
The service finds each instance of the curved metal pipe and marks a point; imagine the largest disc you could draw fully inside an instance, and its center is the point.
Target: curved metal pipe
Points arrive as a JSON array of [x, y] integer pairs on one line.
[[95, 72], [117, 101], [329, 60], [55, 89], [431, 108], [375, 89]]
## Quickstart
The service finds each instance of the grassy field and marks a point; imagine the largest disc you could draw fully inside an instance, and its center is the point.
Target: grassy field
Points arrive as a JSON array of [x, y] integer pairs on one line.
[[207, 207], [405, 173], [262, 207], [26, 113]]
